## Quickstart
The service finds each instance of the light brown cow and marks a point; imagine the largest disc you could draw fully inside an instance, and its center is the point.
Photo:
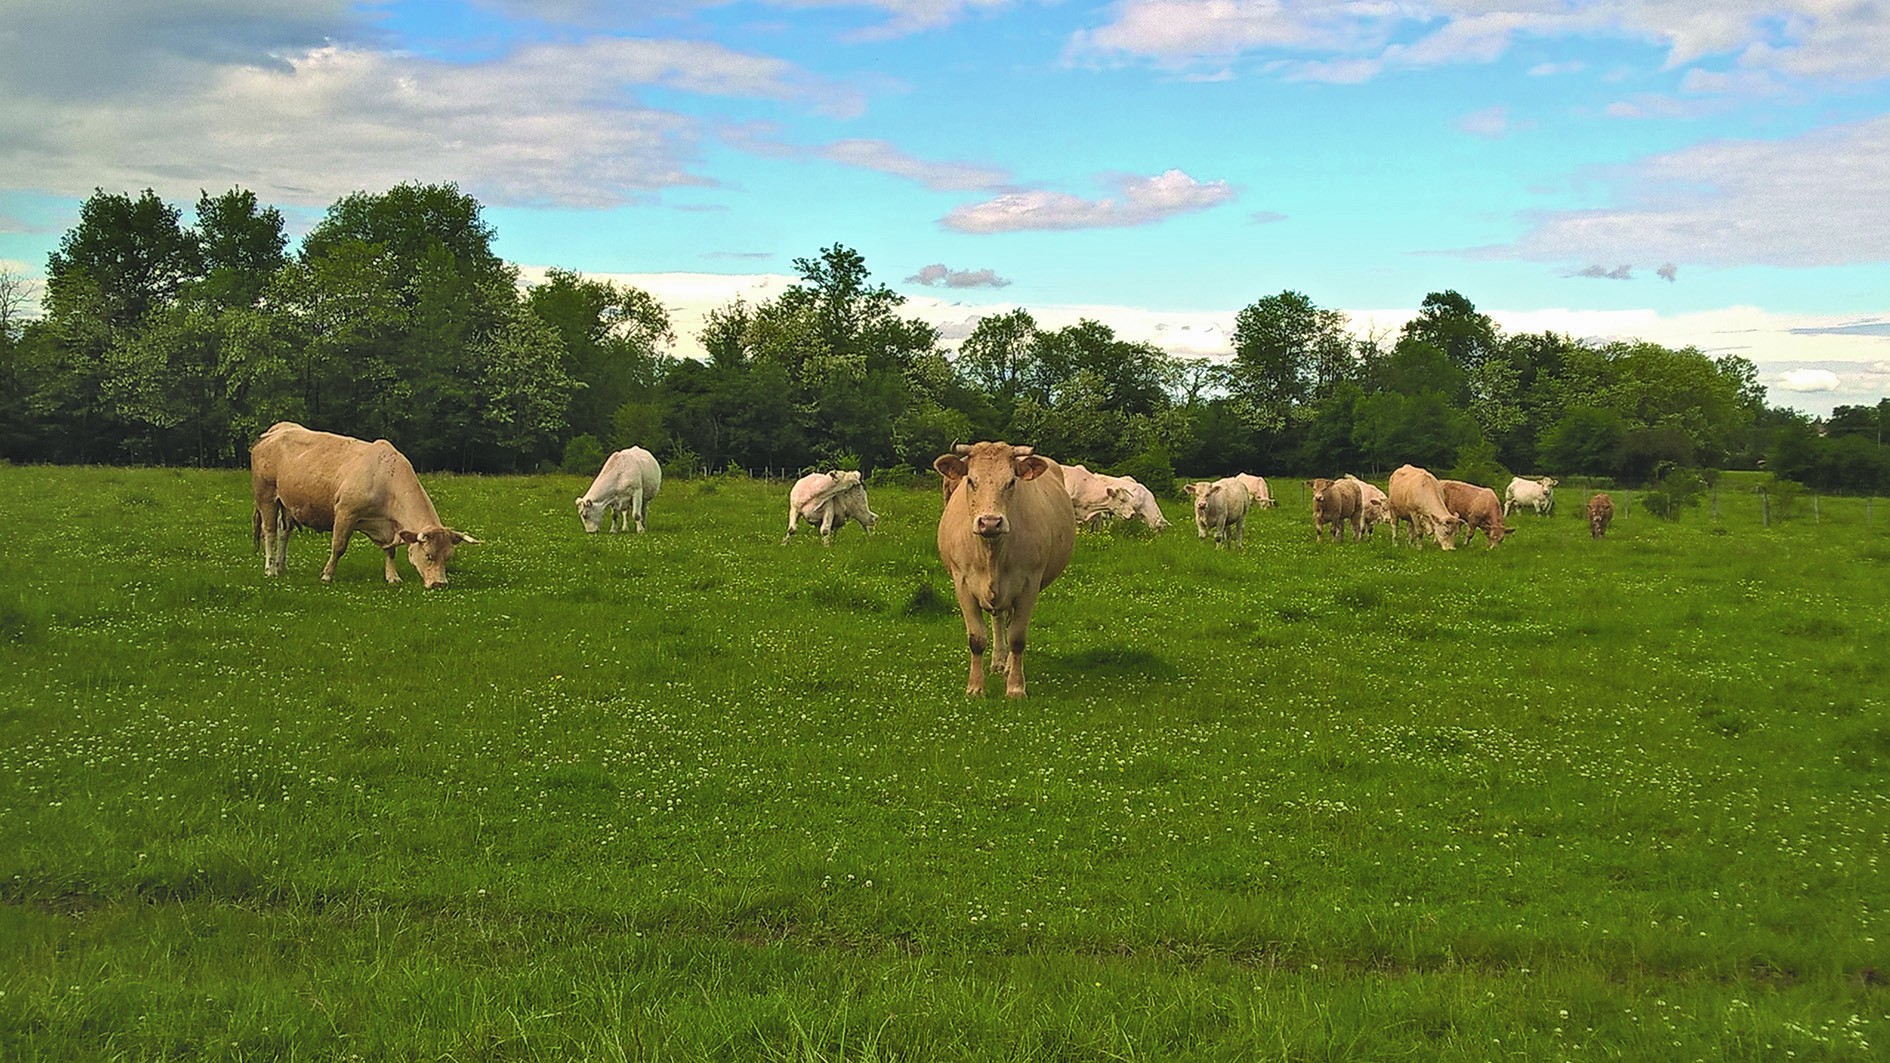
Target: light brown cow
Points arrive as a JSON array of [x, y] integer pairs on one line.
[[1336, 503], [1004, 535], [1416, 497], [1478, 508], [1600, 513], [1374, 508], [334, 483]]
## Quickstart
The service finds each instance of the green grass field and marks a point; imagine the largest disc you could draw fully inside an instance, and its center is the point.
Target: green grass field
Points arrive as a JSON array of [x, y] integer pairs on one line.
[[698, 795]]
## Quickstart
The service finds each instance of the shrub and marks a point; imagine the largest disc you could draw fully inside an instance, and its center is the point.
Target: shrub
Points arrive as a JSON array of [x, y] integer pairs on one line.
[[1675, 491], [1152, 469], [583, 454]]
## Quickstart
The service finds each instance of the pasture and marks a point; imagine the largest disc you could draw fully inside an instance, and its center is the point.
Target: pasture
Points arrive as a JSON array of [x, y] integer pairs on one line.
[[698, 795]]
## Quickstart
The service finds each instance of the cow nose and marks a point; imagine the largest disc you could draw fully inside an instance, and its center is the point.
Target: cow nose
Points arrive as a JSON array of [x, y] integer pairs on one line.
[[990, 524]]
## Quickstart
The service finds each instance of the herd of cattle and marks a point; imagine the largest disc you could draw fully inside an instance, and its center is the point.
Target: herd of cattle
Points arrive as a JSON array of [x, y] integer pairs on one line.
[[1006, 529]]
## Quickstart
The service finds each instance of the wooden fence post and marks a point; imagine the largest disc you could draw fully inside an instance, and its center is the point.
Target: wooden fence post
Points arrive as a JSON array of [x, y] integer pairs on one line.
[[1765, 508], [1815, 518]]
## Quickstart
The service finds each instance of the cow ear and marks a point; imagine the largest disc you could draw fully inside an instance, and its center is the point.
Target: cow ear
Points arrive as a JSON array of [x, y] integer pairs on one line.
[[408, 537], [950, 466], [1030, 467]]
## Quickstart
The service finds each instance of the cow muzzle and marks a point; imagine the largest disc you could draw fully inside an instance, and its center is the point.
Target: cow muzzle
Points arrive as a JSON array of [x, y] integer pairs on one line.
[[991, 525]]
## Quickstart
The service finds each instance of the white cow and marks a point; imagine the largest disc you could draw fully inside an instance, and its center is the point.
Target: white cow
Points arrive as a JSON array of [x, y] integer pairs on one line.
[[829, 499], [622, 491], [1374, 506], [1220, 508], [1536, 492], [1094, 496], [1256, 489]]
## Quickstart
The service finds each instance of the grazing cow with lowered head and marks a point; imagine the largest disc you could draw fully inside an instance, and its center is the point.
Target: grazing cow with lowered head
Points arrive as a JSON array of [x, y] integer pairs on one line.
[[1373, 507], [341, 485], [1336, 503], [1536, 492], [1600, 513], [1094, 496], [622, 491], [829, 499], [1004, 535], [1220, 508], [1416, 497], [1256, 489], [1477, 508]]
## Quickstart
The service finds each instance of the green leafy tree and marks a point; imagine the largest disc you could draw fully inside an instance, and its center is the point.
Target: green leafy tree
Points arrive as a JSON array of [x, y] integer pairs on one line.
[[615, 337], [241, 246], [1452, 324], [1287, 351], [126, 255]]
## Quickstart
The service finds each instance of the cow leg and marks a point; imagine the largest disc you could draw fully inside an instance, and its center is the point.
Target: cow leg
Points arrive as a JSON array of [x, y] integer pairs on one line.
[[793, 522], [272, 521], [974, 640], [393, 574], [1016, 624], [636, 507], [826, 524], [344, 527]]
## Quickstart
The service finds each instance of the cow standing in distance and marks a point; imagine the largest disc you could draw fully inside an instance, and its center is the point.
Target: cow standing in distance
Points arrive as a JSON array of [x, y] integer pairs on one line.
[[1416, 497], [1600, 514], [829, 499], [1220, 508], [1256, 489], [1374, 508], [1536, 492], [622, 491], [1477, 508], [1004, 535], [343, 485], [1336, 503]]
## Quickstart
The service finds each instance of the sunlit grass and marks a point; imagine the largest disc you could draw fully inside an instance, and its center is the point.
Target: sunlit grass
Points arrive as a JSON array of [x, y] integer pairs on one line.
[[697, 794]]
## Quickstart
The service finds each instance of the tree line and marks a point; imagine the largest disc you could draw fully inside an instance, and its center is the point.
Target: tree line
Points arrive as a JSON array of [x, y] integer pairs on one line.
[[165, 342]]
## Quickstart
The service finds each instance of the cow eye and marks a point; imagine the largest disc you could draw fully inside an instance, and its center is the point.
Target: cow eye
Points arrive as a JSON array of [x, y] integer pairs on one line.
[[971, 482]]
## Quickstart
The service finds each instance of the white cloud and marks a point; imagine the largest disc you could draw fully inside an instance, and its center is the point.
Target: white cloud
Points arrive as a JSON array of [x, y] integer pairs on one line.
[[1809, 380], [939, 275], [1492, 122], [1139, 201], [939, 176], [1815, 200], [1350, 40], [544, 124]]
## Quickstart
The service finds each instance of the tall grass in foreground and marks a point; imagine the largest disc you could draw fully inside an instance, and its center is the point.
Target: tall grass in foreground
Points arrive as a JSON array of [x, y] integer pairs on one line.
[[695, 794]]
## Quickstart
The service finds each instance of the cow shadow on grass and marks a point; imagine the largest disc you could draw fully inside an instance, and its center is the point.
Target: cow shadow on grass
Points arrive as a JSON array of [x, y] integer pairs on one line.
[[1112, 662]]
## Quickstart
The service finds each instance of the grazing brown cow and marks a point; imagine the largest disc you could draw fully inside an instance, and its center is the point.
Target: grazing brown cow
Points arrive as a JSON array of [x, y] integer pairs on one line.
[[1600, 513], [1416, 497], [1478, 508], [328, 482], [1336, 503], [1004, 535]]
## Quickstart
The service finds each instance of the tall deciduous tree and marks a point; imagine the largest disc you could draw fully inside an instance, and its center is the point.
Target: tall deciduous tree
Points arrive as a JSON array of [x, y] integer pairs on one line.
[[1287, 351], [135, 254]]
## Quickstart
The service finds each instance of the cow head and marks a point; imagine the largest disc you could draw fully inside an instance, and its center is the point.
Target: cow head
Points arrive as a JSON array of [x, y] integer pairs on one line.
[[592, 514], [1202, 492], [430, 550], [1121, 504], [988, 473], [1319, 487], [1444, 530]]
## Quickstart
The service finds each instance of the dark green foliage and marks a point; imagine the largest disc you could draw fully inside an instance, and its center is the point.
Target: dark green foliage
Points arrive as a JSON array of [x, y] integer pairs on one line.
[[162, 342], [583, 456]]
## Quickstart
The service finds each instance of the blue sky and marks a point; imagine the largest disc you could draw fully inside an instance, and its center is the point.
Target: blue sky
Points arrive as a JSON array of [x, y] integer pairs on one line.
[[1708, 175]]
